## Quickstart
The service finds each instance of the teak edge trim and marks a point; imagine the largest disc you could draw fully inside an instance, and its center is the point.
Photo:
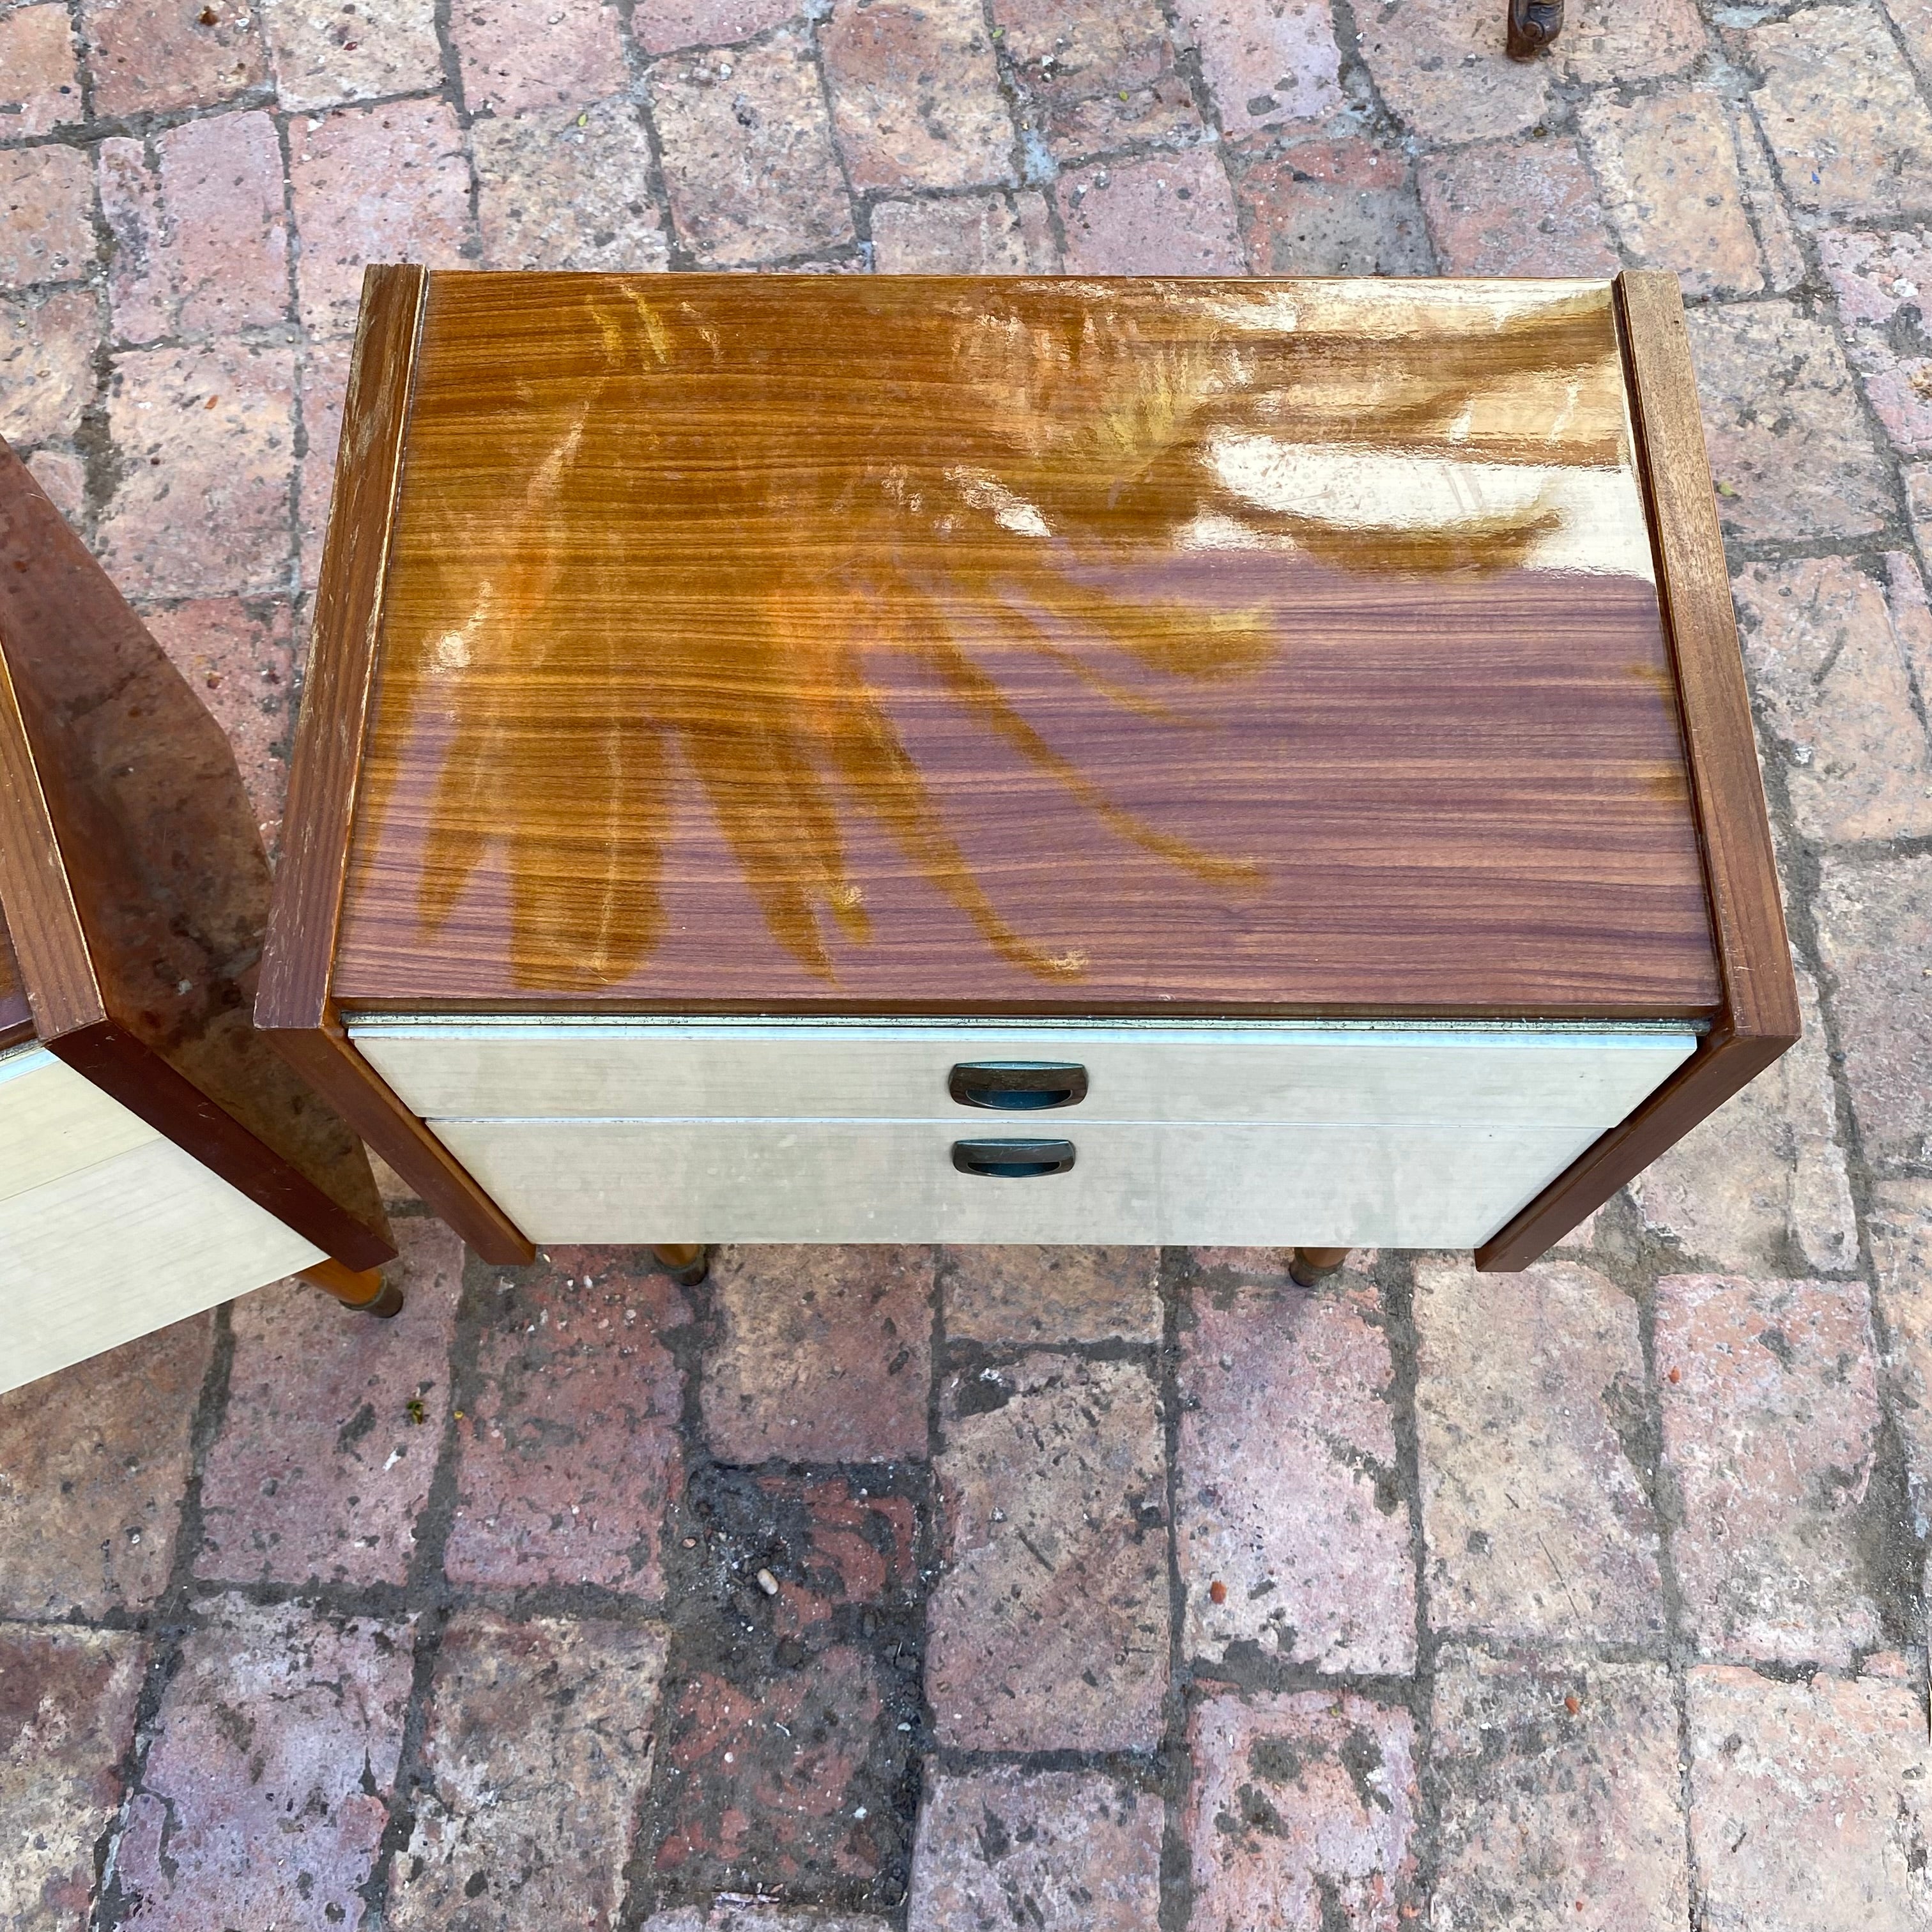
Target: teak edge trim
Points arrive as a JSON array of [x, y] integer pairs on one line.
[[295, 1005], [49, 943], [1760, 1018]]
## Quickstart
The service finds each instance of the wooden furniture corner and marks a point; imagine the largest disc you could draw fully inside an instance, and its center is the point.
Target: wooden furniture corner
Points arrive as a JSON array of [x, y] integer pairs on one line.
[[135, 891], [1758, 1019]]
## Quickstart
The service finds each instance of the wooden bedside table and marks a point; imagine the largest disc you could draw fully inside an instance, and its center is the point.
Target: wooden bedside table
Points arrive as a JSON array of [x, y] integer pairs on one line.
[[813, 758], [156, 1155]]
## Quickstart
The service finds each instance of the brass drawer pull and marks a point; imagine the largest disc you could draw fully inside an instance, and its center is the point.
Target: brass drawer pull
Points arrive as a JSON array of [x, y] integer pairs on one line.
[[1017, 1086], [1012, 1159]]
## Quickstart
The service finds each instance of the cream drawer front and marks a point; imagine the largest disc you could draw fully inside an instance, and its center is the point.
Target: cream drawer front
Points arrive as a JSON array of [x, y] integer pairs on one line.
[[894, 1180], [121, 1246], [1499, 1076], [54, 1121]]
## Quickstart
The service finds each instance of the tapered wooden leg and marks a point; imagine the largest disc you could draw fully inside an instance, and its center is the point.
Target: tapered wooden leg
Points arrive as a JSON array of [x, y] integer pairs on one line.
[[1313, 1264], [687, 1264], [367, 1293]]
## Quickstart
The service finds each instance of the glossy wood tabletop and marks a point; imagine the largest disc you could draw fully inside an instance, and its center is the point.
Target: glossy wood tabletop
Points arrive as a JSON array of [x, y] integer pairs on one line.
[[795, 642]]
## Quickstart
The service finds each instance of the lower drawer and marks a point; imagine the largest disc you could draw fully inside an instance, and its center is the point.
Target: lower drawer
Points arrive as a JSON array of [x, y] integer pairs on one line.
[[1345, 1186]]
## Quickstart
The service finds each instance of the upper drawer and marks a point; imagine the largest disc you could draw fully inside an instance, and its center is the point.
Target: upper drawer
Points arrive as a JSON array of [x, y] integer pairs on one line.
[[566, 1069]]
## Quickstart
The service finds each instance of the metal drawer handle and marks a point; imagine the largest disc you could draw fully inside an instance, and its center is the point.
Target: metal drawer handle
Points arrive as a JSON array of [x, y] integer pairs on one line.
[[1017, 1086], [1012, 1159]]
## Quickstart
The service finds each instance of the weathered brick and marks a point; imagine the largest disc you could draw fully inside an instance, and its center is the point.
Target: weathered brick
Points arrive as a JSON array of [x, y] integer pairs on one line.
[[1047, 1629], [841, 1554], [323, 1466], [1615, 42], [1762, 1179], [1769, 1392], [749, 160], [1095, 75], [225, 237], [1044, 1295], [1056, 1851], [1669, 167], [1166, 214], [388, 184], [1515, 207], [783, 1783], [1808, 1803], [1913, 20], [1560, 1798], [1874, 923], [140, 289], [93, 1463], [916, 99], [1785, 266], [46, 216], [201, 242], [264, 1790], [63, 477], [513, 58], [40, 77], [966, 234], [567, 1445], [726, 1914], [1900, 1226], [1530, 1403], [152, 56], [240, 660], [825, 1353], [568, 188], [204, 437], [1270, 63], [1839, 107], [47, 343], [1878, 280], [663, 26], [1790, 451], [326, 53], [1439, 65], [67, 1718], [1832, 645], [1331, 208], [536, 1752], [1289, 1500], [1302, 1813], [1919, 500]]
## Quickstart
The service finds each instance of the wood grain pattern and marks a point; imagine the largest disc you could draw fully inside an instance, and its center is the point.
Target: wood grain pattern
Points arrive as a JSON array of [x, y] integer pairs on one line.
[[326, 766], [295, 1007], [1759, 1017], [136, 889], [16, 1018], [1080, 647]]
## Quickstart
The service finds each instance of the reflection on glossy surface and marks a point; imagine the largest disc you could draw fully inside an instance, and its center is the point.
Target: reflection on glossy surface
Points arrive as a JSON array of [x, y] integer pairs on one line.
[[922, 586]]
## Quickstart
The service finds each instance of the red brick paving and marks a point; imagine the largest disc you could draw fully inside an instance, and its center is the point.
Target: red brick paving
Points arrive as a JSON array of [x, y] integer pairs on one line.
[[1439, 1508]]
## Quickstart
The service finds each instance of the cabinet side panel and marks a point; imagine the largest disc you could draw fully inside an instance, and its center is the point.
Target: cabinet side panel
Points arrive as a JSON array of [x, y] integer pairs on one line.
[[326, 768], [136, 886], [1759, 1019]]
